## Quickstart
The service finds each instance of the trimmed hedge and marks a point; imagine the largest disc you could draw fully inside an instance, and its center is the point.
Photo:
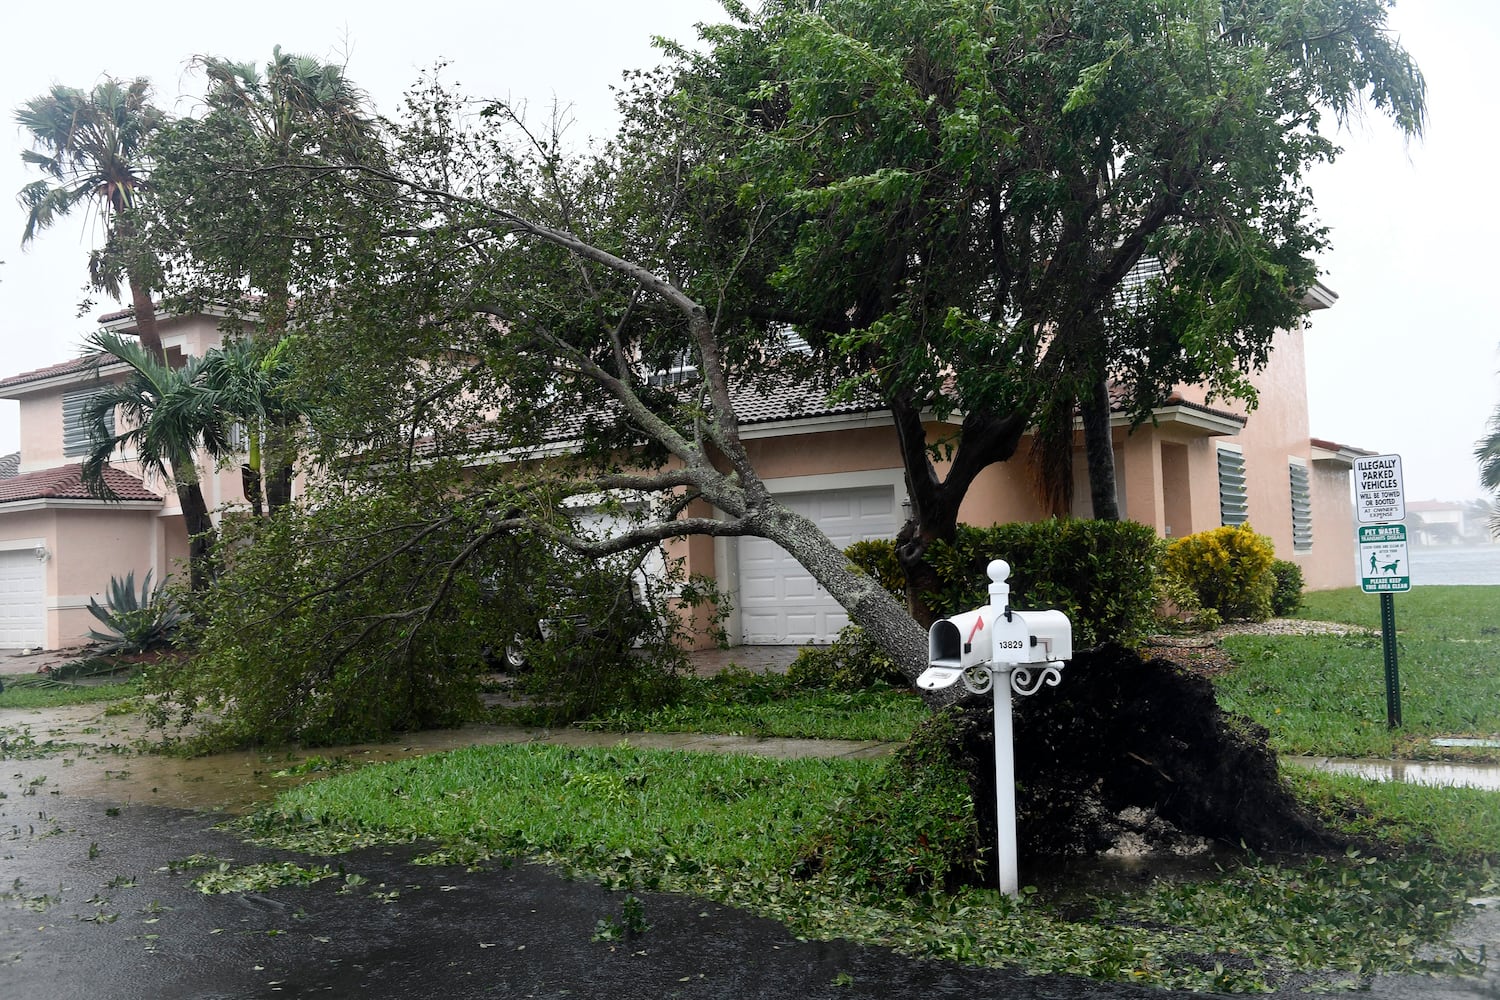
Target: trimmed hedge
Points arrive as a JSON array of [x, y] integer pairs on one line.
[[1099, 573]]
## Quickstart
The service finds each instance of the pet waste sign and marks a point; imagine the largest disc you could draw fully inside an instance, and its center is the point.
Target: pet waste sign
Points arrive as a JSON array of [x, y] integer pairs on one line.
[[1382, 559]]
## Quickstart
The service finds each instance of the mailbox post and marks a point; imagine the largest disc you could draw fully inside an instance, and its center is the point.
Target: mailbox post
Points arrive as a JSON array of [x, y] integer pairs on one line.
[[995, 649]]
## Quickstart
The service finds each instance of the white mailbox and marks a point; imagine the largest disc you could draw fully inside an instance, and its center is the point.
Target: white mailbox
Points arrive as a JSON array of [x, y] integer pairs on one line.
[[960, 642], [1049, 636], [996, 649]]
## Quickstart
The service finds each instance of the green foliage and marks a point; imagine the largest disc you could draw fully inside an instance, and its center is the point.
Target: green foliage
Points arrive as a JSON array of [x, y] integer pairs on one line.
[[889, 136], [1286, 594], [908, 830], [1099, 573], [347, 621], [1229, 568], [1178, 608], [610, 646], [850, 663], [878, 559], [137, 623], [258, 877]]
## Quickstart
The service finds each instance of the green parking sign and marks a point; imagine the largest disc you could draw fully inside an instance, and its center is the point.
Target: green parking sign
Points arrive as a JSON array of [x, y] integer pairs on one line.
[[1383, 566]]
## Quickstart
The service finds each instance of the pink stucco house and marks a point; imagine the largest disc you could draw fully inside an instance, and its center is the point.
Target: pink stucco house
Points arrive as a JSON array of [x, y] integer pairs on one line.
[[59, 546], [1197, 466]]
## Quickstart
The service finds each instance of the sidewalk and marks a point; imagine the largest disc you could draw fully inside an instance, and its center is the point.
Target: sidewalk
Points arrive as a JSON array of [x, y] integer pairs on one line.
[[32, 661], [756, 659]]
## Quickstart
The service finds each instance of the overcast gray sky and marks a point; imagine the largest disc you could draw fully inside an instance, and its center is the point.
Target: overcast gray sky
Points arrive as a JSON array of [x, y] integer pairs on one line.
[[1404, 363]]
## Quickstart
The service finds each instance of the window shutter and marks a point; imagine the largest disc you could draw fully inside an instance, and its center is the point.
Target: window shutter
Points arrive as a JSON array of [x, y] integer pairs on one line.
[[1234, 501], [1301, 507], [76, 440]]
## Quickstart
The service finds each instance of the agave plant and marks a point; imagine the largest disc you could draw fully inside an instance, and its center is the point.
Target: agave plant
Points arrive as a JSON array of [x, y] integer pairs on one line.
[[137, 623]]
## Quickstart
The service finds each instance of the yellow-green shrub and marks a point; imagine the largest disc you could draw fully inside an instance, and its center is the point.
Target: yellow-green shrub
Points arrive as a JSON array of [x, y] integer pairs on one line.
[[1229, 568]]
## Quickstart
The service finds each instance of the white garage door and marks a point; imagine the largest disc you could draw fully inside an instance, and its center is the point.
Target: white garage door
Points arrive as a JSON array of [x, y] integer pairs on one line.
[[780, 603], [23, 616]]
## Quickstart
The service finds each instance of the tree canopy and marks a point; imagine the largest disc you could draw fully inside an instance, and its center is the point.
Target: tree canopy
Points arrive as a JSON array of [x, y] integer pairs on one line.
[[1006, 210], [92, 147], [996, 213]]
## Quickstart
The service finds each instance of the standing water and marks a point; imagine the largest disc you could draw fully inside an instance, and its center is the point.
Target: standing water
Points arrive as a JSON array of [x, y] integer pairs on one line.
[[1465, 565]]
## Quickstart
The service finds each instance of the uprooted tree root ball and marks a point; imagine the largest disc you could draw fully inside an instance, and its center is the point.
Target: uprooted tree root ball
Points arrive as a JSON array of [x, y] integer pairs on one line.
[[1130, 750]]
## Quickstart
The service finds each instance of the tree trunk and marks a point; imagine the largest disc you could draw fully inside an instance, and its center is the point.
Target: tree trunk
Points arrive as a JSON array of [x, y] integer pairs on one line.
[[984, 440], [145, 319], [1099, 448], [250, 483], [200, 529], [279, 487], [869, 605]]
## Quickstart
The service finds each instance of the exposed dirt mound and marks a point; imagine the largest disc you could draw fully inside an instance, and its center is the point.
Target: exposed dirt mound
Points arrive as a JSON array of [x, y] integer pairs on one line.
[[1134, 752]]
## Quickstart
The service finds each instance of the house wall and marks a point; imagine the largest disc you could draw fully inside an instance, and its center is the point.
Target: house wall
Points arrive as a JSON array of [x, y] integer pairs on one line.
[[88, 541], [85, 546], [1333, 530], [91, 546], [42, 432]]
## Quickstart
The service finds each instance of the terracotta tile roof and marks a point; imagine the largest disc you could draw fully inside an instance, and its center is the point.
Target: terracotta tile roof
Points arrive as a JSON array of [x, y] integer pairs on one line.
[[1176, 399], [66, 483], [73, 367]]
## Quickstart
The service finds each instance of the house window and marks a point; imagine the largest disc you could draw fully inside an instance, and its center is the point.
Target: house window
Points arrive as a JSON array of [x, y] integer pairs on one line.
[[678, 371], [1301, 506], [76, 440], [1234, 502]]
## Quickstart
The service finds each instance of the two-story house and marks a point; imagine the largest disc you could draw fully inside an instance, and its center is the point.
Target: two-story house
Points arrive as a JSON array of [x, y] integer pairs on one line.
[[1195, 466], [58, 545]]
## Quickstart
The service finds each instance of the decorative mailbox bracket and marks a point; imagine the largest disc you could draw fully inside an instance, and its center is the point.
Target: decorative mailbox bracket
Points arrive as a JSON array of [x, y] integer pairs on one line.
[[995, 649]]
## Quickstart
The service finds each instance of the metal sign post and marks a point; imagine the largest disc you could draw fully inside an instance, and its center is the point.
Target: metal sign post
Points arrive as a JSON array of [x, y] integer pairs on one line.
[[1392, 675], [1380, 500]]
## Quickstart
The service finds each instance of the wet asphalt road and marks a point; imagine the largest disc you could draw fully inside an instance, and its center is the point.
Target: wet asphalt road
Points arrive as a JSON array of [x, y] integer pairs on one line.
[[92, 907], [96, 911]]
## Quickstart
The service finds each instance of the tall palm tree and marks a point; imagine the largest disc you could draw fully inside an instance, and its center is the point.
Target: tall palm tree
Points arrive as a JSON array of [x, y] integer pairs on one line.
[[92, 147], [166, 419], [297, 112]]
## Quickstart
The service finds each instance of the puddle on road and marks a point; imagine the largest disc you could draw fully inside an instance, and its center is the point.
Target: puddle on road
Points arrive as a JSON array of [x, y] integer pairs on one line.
[[233, 782], [1439, 774], [99, 762]]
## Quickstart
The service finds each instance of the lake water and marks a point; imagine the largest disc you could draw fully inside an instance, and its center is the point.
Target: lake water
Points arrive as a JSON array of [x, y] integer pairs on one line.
[[1474, 565]]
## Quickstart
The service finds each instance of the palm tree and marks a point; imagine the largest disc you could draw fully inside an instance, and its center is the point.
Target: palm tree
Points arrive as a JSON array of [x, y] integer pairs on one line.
[[298, 112], [166, 419], [92, 147], [1487, 451], [249, 381]]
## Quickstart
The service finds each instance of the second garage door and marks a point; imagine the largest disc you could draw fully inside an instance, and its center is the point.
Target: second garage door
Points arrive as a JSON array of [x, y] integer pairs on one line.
[[23, 613], [780, 603]]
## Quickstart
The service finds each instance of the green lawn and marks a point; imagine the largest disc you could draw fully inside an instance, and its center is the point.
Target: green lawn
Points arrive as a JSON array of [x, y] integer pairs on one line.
[[31, 692], [734, 828], [1325, 695], [741, 703]]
